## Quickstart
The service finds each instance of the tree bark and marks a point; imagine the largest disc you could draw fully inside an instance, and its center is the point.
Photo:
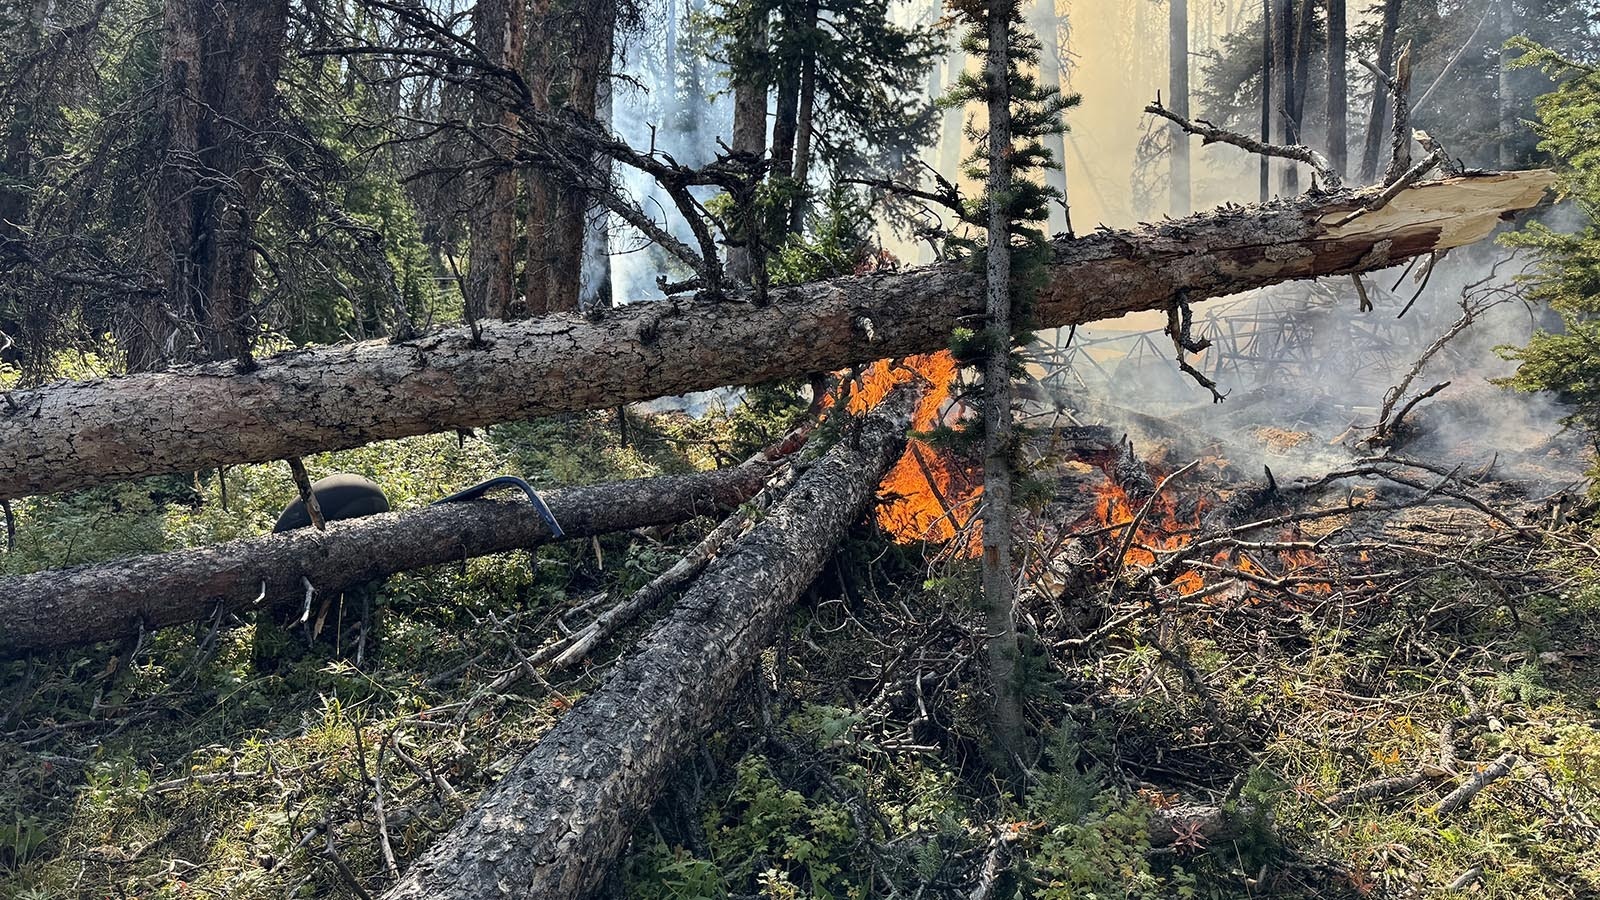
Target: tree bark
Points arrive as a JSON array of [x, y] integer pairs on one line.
[[1338, 87], [999, 592], [750, 140], [67, 607], [1505, 95], [1178, 100], [1378, 118], [1283, 54], [1047, 24], [219, 70], [497, 29], [805, 131], [552, 825], [570, 61], [1267, 32], [76, 434]]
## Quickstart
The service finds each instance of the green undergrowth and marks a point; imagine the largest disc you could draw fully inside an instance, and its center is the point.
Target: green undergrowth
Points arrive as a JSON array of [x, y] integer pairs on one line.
[[853, 763]]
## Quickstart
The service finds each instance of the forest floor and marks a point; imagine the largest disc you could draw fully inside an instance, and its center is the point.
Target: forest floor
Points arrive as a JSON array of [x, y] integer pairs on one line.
[[857, 763]]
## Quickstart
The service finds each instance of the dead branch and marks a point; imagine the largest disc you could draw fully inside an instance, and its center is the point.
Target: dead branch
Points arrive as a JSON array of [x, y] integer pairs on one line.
[[1211, 134], [1461, 796]]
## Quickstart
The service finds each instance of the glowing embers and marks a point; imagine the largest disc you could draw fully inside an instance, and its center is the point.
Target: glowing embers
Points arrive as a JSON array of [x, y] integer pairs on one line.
[[1142, 528], [1172, 536]]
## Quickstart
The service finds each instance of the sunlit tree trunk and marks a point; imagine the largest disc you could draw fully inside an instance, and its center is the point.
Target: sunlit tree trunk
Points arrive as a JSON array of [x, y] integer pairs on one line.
[[1047, 24], [750, 138], [999, 591], [1178, 102], [568, 60], [1506, 94]]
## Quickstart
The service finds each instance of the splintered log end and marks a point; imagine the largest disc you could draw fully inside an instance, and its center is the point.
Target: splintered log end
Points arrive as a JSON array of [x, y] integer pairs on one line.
[[1463, 209]]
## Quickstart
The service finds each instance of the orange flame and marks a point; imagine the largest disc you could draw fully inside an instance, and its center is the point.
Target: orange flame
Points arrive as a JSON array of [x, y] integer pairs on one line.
[[1161, 529], [928, 494]]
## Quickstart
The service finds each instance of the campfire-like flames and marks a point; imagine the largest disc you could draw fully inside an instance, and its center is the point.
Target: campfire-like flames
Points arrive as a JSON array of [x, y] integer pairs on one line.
[[932, 496], [929, 495]]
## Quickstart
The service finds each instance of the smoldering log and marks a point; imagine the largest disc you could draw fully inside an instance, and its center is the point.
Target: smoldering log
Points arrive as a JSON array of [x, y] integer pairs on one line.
[[68, 607], [552, 825], [75, 434]]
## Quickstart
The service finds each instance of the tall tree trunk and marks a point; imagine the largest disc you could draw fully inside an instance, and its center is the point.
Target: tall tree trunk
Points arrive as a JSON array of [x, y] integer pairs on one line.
[[999, 592], [552, 826], [106, 601], [749, 139], [1283, 98], [805, 129], [1267, 63], [565, 69], [1338, 87], [75, 434], [1378, 118], [785, 125], [219, 70], [497, 29], [1047, 24], [1506, 95], [1178, 102], [952, 123]]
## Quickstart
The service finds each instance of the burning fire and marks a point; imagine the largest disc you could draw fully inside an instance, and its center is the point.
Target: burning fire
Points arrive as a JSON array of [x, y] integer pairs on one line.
[[1165, 528], [932, 496], [929, 495]]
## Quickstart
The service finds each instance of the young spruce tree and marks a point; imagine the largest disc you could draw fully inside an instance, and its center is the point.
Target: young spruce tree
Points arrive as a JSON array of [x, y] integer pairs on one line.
[[1567, 362], [1021, 111]]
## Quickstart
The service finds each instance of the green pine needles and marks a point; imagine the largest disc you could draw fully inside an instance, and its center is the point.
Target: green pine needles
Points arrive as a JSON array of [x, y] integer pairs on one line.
[[1036, 111]]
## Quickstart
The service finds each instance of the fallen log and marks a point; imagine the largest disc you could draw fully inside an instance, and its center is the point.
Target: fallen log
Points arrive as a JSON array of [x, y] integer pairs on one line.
[[67, 607], [75, 434], [552, 825]]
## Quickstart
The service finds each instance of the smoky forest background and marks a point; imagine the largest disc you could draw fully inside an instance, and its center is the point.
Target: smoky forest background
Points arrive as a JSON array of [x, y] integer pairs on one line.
[[799, 449]]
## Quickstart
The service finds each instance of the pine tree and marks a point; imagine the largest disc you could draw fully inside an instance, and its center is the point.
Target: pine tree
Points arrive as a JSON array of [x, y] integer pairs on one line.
[[1020, 113], [1566, 362]]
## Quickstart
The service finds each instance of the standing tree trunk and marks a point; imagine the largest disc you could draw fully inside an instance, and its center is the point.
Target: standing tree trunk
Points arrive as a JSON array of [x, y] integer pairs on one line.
[[219, 73], [1338, 87], [999, 593], [1378, 118], [566, 68], [1178, 66], [1283, 98], [1047, 24], [805, 129], [1266, 95], [1506, 95], [749, 140], [497, 29]]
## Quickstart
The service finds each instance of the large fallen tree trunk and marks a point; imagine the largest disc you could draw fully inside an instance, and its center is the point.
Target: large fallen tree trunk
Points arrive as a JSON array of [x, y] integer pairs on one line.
[[75, 434], [66, 607], [552, 825]]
